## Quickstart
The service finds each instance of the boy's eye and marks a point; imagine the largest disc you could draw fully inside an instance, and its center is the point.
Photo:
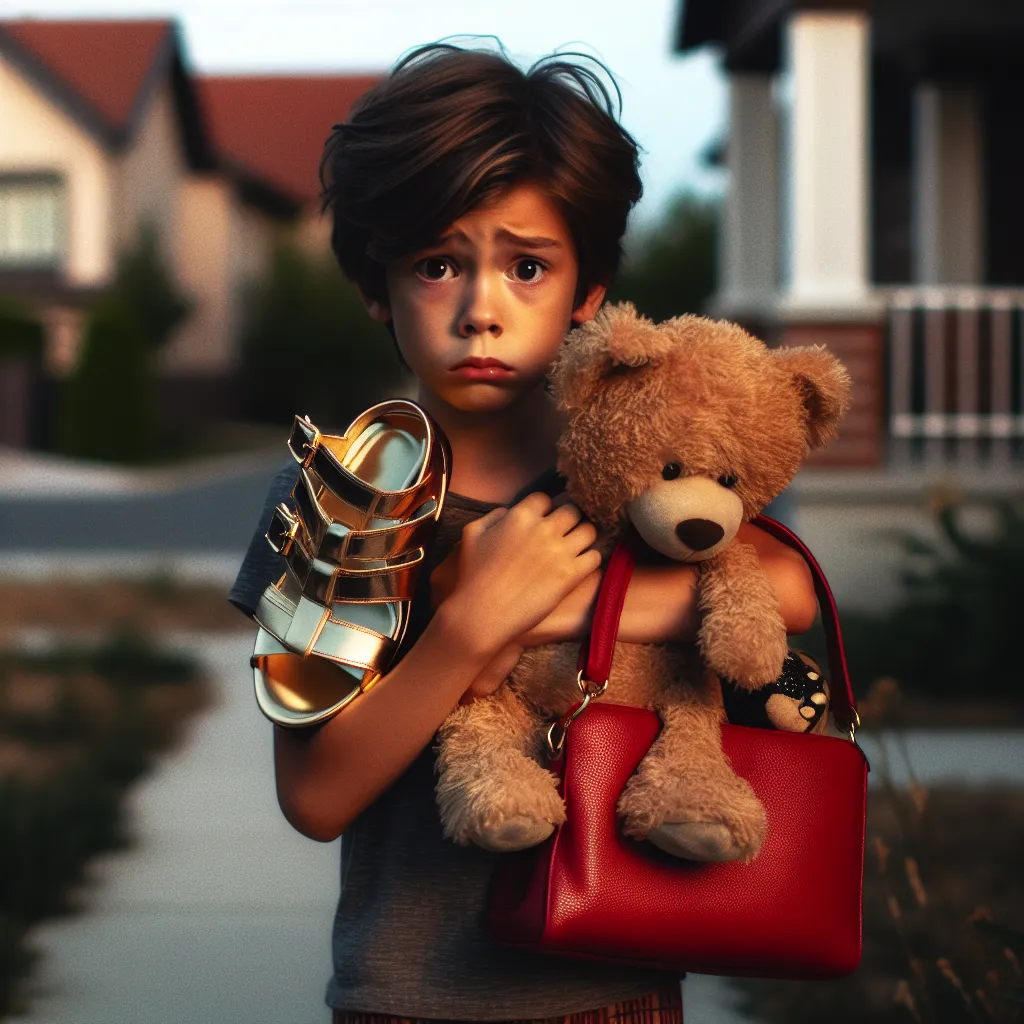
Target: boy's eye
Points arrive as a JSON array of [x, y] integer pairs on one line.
[[528, 271], [435, 268]]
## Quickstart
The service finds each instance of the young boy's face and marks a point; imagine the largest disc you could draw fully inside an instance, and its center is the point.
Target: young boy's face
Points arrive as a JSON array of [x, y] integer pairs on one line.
[[499, 284]]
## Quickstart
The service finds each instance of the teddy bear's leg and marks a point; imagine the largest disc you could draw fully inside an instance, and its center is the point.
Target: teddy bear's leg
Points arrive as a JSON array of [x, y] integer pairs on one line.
[[743, 635], [685, 797], [491, 790]]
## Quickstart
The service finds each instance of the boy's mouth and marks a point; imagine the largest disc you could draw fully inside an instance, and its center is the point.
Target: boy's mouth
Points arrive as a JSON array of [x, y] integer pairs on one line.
[[478, 363], [475, 368]]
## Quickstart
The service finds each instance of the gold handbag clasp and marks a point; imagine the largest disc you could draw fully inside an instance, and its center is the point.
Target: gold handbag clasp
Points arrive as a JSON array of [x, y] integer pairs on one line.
[[558, 729]]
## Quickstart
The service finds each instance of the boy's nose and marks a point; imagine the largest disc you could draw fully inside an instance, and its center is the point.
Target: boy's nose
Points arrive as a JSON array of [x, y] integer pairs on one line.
[[479, 313], [471, 325]]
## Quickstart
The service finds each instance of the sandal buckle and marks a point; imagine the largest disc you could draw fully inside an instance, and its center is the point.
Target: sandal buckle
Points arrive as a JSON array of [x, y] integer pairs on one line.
[[283, 530]]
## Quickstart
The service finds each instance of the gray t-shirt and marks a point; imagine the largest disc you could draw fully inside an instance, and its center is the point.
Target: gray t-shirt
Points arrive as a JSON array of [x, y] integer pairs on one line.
[[409, 936]]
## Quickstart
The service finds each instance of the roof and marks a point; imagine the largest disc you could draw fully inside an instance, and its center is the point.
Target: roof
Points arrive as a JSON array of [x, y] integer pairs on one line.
[[698, 22], [101, 70], [267, 132], [273, 128]]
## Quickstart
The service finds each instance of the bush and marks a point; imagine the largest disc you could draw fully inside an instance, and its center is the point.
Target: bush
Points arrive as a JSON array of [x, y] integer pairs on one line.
[[670, 269], [21, 332], [954, 632], [309, 347], [107, 407], [145, 286], [941, 867], [62, 779]]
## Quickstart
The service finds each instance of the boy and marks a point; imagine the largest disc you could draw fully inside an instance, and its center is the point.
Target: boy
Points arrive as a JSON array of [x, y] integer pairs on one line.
[[480, 210]]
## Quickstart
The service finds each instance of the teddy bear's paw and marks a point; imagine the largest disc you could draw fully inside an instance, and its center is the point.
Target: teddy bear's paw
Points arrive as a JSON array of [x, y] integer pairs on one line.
[[509, 808], [716, 817], [515, 833], [697, 840], [749, 666]]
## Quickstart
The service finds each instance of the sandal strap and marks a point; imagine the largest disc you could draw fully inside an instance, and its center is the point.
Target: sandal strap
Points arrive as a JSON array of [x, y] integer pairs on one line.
[[307, 446], [355, 582], [309, 628], [327, 538]]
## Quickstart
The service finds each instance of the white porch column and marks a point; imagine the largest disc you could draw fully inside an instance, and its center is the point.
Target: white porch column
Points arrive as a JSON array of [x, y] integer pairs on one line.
[[948, 219], [828, 161], [749, 255]]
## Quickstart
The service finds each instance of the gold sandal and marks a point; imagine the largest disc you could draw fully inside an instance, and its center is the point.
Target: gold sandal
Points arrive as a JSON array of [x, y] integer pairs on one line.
[[364, 510]]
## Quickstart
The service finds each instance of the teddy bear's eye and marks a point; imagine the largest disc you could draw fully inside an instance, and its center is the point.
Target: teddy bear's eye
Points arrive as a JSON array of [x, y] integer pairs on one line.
[[671, 470], [728, 480]]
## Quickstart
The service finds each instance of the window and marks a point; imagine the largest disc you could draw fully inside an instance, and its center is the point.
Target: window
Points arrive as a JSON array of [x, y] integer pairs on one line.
[[32, 214]]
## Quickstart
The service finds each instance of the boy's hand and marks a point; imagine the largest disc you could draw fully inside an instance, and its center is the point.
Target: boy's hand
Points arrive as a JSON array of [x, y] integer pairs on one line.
[[515, 566], [445, 575]]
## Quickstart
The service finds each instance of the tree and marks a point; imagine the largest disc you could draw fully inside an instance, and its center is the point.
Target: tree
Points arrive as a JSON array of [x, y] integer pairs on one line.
[[670, 268], [145, 285], [106, 411], [309, 347]]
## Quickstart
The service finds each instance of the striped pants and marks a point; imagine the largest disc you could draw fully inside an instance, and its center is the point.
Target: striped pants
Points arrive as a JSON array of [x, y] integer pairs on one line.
[[664, 1007]]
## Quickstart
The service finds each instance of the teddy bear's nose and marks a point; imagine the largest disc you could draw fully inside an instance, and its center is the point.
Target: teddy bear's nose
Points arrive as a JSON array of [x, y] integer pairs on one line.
[[698, 534]]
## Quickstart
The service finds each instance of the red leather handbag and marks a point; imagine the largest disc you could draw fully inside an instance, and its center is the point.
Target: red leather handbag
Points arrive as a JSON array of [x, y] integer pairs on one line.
[[590, 892]]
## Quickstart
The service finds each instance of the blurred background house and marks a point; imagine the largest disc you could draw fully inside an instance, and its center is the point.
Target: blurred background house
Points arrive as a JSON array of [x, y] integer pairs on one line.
[[107, 133], [874, 204]]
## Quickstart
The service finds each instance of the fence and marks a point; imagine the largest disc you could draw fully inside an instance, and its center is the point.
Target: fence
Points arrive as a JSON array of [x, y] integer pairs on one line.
[[955, 372]]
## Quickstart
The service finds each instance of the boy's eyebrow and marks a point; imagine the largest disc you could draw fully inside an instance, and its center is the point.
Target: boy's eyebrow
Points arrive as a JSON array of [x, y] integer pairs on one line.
[[504, 235]]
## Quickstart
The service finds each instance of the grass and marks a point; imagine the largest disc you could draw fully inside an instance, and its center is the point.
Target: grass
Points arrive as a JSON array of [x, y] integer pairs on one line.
[[77, 727], [943, 911]]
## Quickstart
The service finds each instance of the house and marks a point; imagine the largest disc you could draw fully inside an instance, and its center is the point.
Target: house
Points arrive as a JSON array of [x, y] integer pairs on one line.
[[106, 128], [874, 204]]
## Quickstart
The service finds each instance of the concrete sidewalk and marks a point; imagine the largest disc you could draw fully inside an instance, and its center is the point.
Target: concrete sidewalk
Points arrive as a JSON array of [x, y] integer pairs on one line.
[[221, 913]]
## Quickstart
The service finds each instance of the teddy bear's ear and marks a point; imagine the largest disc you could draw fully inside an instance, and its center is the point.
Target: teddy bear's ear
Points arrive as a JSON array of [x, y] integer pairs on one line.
[[823, 386], [617, 340]]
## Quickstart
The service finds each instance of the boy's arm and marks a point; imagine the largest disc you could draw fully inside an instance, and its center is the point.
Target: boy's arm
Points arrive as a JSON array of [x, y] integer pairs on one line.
[[661, 601], [327, 775]]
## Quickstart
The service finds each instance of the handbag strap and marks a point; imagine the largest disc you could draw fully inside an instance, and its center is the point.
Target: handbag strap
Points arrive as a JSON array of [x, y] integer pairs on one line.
[[596, 650]]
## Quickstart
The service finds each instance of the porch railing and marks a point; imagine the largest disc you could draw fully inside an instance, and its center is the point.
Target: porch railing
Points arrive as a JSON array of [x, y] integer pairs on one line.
[[956, 375]]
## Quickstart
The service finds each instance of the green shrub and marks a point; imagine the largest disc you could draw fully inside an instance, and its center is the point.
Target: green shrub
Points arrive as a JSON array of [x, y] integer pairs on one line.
[[63, 780], [954, 631], [107, 404], [127, 658], [309, 347], [670, 268], [145, 285], [21, 332]]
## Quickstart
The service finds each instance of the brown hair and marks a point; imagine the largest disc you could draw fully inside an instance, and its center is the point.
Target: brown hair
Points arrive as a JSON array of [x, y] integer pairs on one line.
[[448, 129]]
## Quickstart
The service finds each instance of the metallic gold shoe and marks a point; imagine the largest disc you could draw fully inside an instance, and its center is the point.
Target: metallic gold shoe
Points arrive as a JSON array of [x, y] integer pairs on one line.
[[363, 512]]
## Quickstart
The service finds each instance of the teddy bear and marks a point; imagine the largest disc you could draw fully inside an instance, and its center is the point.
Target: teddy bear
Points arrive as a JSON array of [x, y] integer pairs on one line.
[[680, 431]]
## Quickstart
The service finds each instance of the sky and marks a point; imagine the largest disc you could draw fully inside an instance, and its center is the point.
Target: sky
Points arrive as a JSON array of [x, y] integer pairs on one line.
[[673, 104]]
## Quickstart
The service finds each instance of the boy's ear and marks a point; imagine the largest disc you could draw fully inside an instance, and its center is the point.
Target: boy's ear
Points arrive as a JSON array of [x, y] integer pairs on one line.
[[588, 308], [380, 311]]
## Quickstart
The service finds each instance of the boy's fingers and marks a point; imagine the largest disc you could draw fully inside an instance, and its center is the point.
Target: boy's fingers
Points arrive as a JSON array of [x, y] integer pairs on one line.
[[537, 502], [486, 521]]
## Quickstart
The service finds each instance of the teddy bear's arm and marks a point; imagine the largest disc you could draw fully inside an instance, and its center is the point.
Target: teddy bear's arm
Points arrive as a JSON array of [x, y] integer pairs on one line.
[[742, 635]]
